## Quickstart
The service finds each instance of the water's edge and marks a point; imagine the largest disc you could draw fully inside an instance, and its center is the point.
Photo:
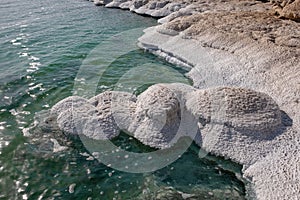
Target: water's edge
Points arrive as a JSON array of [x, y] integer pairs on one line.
[[161, 45]]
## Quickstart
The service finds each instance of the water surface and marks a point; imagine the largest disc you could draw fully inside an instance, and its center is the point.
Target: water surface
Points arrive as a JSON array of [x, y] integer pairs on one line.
[[44, 44]]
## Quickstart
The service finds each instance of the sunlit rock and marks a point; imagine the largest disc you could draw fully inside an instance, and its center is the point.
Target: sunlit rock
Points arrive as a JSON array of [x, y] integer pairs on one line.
[[249, 112]]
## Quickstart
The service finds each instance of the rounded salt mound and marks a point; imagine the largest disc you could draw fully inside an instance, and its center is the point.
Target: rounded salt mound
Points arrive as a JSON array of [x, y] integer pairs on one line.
[[246, 111], [157, 117], [116, 108], [102, 117], [67, 103]]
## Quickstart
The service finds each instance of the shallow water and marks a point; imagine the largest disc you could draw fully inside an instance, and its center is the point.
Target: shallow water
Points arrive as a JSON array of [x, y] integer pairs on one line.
[[53, 49]]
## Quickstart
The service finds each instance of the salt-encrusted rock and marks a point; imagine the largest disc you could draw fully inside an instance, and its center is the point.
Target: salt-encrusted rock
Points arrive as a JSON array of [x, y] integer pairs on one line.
[[117, 106], [165, 112], [165, 9], [161, 117], [67, 103], [181, 89], [126, 5], [246, 49], [98, 2], [277, 175], [138, 3], [157, 117], [155, 8], [288, 9], [115, 3], [101, 2], [102, 117], [236, 123], [73, 120], [172, 16], [249, 112], [188, 124]]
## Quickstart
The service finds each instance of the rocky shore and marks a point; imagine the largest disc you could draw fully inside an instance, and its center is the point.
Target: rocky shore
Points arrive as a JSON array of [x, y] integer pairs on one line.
[[246, 52]]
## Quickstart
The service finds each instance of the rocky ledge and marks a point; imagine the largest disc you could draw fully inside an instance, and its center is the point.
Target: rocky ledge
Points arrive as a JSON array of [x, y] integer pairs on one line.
[[230, 45], [287, 9]]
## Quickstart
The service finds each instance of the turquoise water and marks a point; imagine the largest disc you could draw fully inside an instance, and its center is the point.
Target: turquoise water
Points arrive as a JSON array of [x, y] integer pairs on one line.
[[45, 45]]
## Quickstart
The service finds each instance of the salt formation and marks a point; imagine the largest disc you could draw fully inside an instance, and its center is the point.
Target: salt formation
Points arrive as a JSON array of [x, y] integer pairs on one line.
[[160, 117], [237, 123], [165, 112], [101, 117], [115, 107], [249, 112]]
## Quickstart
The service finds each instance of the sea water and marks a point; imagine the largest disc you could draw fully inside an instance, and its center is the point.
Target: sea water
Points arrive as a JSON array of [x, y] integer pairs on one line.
[[53, 49]]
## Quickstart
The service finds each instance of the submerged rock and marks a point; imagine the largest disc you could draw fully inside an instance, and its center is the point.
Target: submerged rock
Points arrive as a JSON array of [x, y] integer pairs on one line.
[[168, 193]]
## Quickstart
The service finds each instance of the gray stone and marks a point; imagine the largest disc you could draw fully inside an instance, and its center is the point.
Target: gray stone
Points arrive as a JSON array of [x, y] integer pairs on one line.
[[139, 3]]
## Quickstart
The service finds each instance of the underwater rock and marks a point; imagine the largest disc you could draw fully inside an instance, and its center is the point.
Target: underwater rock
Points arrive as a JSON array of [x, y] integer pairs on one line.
[[168, 193]]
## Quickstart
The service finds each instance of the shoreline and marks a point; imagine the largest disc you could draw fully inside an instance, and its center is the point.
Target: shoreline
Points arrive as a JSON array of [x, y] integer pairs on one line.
[[251, 153], [236, 60]]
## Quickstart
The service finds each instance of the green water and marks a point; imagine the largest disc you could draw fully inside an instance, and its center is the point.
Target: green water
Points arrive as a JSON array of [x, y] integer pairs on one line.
[[45, 45]]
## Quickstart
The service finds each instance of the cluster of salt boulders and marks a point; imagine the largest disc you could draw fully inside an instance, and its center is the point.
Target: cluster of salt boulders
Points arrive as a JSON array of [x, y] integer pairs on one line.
[[163, 113], [288, 9], [153, 8]]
